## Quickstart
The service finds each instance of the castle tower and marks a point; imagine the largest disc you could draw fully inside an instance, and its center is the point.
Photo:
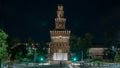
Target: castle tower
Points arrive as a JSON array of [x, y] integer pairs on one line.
[[59, 36]]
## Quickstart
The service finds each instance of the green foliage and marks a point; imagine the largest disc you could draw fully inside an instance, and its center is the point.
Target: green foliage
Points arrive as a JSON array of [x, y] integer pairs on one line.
[[110, 35], [13, 40], [88, 39], [3, 36], [3, 46], [19, 56], [26, 60], [109, 54], [28, 54], [87, 52], [78, 44], [42, 49], [117, 56], [97, 61], [28, 57], [23, 54], [75, 44], [13, 43], [89, 36]]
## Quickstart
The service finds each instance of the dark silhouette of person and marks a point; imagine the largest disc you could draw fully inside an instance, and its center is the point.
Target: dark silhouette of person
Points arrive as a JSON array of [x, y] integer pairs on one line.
[[60, 64]]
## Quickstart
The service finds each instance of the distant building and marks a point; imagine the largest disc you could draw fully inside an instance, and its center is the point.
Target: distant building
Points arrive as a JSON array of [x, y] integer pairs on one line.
[[96, 51]]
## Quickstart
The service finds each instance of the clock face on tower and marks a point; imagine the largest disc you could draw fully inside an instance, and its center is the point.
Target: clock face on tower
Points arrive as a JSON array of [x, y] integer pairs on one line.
[[60, 25]]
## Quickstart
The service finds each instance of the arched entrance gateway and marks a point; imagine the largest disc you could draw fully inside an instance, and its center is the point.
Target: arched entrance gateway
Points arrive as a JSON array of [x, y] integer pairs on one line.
[[59, 45]]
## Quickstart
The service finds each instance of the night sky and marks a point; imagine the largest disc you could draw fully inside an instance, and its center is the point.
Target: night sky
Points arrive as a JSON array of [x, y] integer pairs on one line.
[[35, 18]]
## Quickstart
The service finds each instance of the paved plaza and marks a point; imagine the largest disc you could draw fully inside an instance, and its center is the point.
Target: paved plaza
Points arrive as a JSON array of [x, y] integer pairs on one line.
[[67, 66]]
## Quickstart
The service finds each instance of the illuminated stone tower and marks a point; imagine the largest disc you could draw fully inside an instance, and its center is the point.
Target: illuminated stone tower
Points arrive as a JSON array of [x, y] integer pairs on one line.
[[59, 36]]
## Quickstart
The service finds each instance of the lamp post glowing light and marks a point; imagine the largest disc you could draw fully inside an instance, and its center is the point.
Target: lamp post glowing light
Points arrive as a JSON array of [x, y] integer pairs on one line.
[[41, 59], [74, 59]]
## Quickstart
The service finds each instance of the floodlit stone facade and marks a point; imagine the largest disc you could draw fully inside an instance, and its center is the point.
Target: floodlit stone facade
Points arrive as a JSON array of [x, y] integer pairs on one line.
[[60, 35]]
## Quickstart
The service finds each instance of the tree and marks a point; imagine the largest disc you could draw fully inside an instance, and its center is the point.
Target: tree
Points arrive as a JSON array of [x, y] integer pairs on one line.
[[77, 45], [18, 56], [109, 54], [24, 52], [88, 39], [19, 52], [117, 56], [42, 49], [110, 35], [13, 43], [30, 52], [3, 46]]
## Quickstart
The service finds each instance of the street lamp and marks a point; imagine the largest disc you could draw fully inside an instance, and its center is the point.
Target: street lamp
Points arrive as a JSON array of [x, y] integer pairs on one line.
[[113, 51], [74, 59], [41, 59], [34, 54], [82, 55]]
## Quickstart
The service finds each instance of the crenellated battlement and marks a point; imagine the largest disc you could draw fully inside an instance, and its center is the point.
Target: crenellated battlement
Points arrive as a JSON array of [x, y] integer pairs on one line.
[[60, 33]]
